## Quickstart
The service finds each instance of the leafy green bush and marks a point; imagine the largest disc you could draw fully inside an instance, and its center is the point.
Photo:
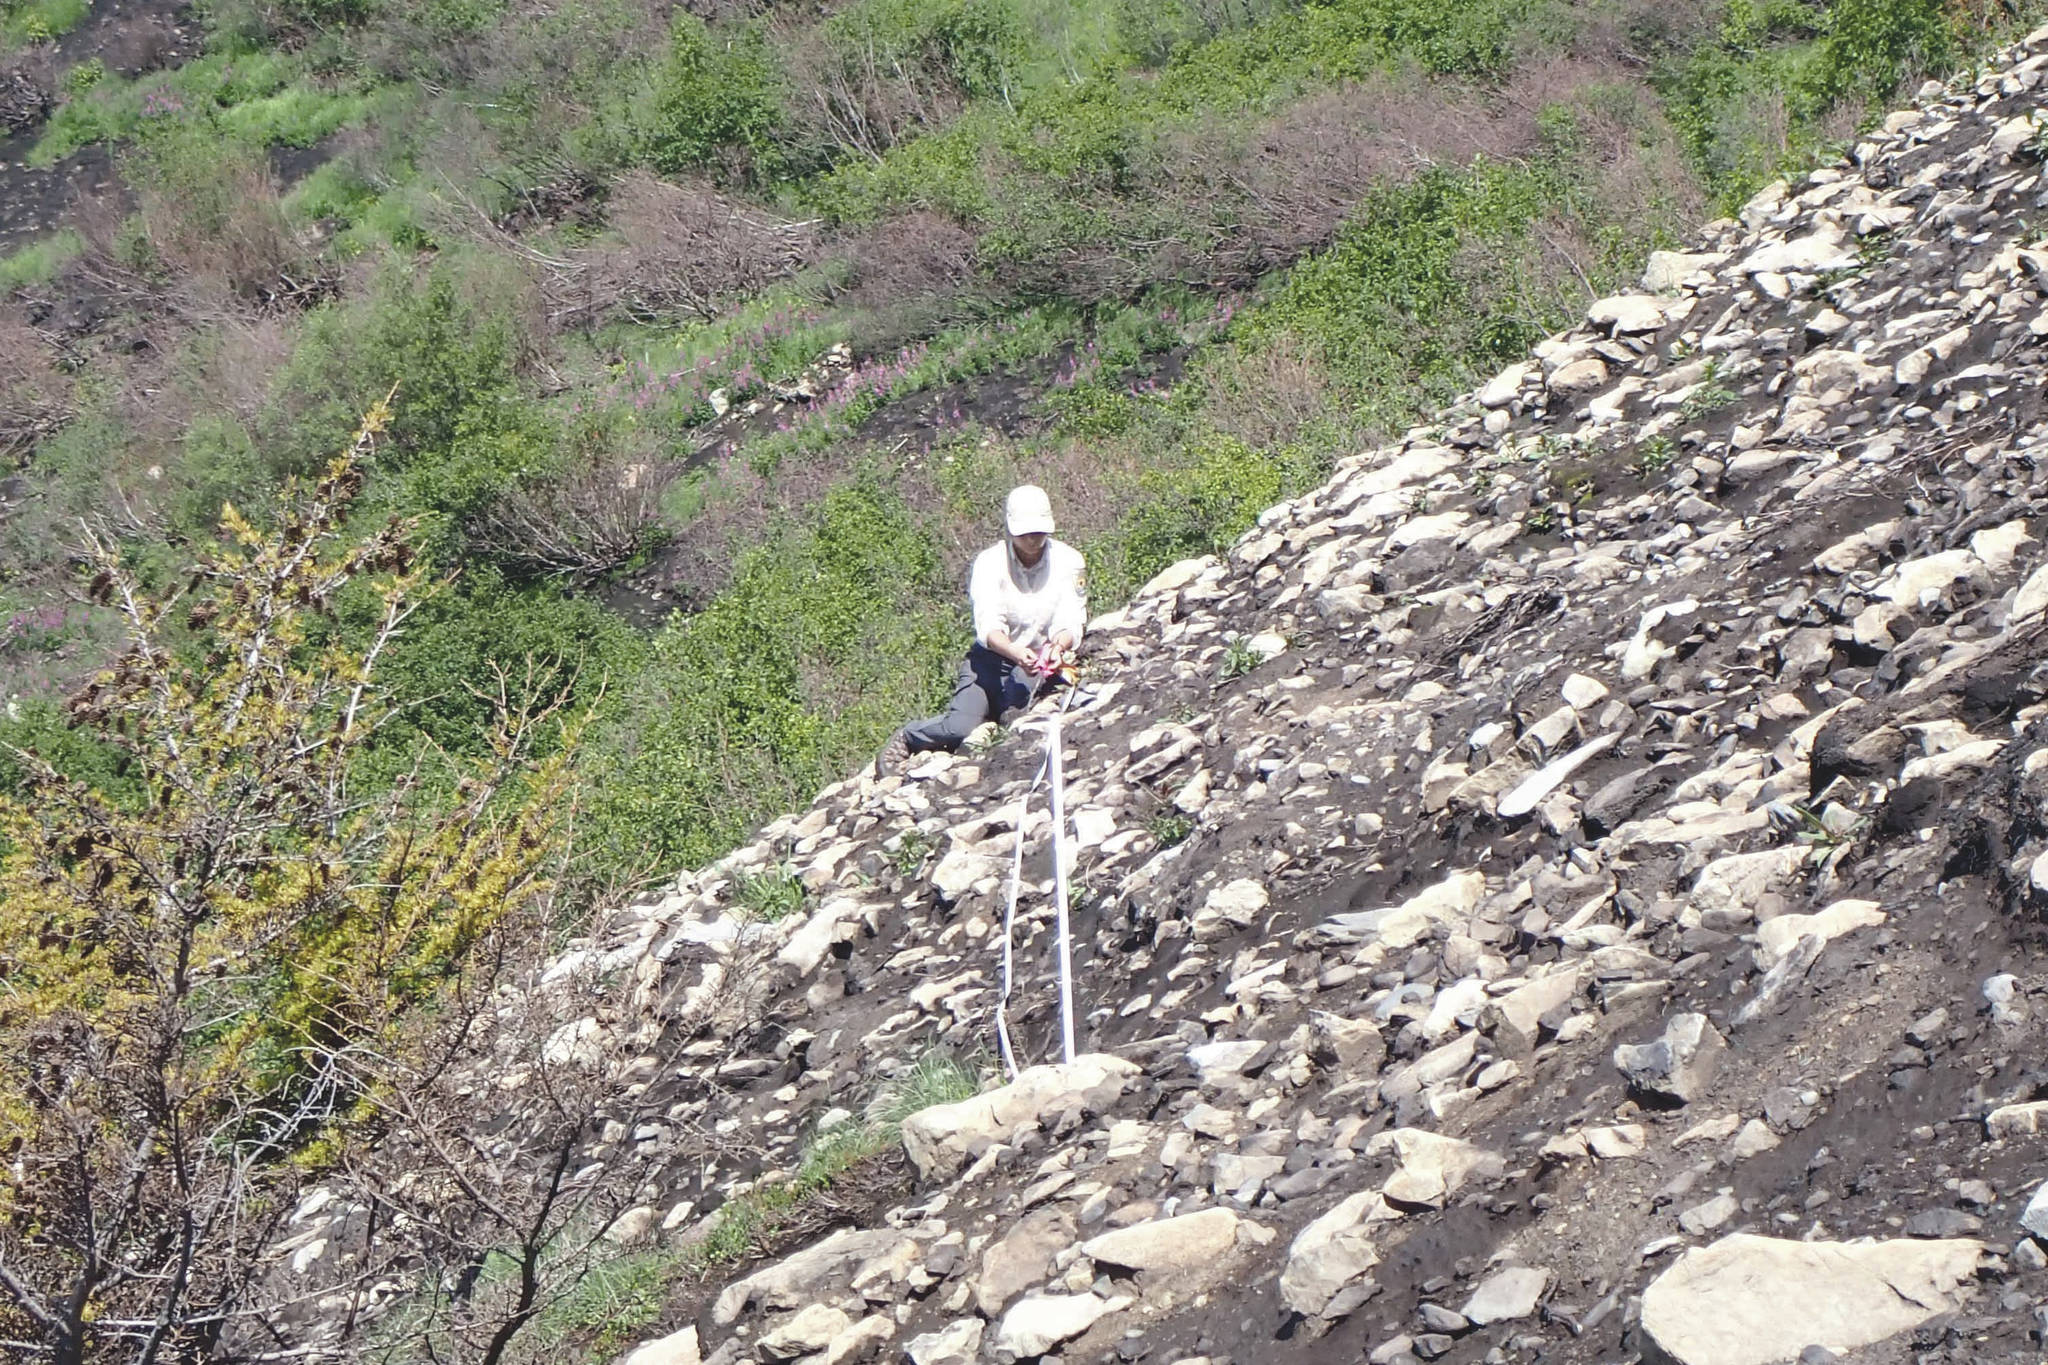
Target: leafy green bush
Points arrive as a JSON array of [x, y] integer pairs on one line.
[[1194, 510], [464, 637], [1421, 292], [461, 430], [913, 847], [830, 633], [259, 96], [38, 21], [39, 261], [714, 98], [84, 76], [1870, 46], [1239, 658], [1170, 827], [39, 726], [771, 894]]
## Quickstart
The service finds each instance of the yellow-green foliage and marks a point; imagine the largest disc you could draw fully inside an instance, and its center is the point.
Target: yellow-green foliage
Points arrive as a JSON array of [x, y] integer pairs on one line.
[[177, 965]]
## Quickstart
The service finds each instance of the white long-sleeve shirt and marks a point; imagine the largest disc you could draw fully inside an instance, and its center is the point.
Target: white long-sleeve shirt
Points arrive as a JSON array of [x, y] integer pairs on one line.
[[1029, 605]]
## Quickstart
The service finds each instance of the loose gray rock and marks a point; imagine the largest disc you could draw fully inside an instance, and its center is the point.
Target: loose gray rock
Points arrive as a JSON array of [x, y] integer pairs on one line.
[[1036, 1324], [1678, 1067], [678, 1348], [941, 1139], [1190, 1241], [1725, 1304], [1507, 1295], [958, 1343]]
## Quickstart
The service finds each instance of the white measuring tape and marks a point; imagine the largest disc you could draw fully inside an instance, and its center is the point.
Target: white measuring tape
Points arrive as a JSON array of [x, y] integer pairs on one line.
[[1048, 768]]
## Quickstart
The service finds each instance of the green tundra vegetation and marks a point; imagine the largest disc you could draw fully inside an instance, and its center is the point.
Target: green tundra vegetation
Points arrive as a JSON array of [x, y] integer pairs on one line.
[[717, 332], [681, 355]]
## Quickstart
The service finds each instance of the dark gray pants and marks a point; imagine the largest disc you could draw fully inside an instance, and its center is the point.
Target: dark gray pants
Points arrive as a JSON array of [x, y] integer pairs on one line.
[[988, 687]]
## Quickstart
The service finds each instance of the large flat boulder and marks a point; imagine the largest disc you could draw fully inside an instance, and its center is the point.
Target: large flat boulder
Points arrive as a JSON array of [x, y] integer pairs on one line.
[[1332, 1254], [1727, 1304], [799, 1280], [945, 1137], [1192, 1240]]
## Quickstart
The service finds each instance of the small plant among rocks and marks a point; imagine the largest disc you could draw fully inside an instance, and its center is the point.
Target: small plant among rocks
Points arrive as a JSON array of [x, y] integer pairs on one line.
[[1239, 658], [745, 1223], [610, 1303], [1816, 829], [1655, 455], [84, 76], [769, 894], [1170, 827], [1709, 396], [911, 851]]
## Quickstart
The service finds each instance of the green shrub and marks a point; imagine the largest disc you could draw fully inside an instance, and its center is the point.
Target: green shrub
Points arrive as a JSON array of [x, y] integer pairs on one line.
[[1170, 827], [1870, 46], [1710, 396], [831, 632], [460, 428], [1195, 510], [1239, 658], [770, 894], [38, 21], [714, 98], [39, 261], [461, 639], [935, 1078], [609, 1304], [913, 848], [207, 92], [1423, 291], [84, 76], [38, 725]]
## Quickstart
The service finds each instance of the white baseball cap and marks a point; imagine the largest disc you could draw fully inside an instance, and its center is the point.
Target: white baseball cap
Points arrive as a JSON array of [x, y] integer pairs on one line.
[[1028, 511]]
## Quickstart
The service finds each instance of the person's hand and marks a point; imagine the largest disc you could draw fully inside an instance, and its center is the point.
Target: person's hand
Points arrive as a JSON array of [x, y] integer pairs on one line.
[[1028, 657]]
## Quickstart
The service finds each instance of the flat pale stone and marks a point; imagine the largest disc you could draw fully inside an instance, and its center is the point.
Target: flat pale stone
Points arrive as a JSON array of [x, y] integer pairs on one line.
[[679, 1348], [957, 1343], [2017, 1120], [1334, 1251], [938, 1138], [800, 1279], [1627, 314], [1036, 1324], [1406, 924], [1433, 1167], [1506, 1295], [1190, 1241], [811, 1328], [1923, 580], [1733, 885], [1826, 248], [1777, 937], [1668, 270], [1726, 1304], [1504, 387], [1579, 378], [2032, 596], [1174, 577]]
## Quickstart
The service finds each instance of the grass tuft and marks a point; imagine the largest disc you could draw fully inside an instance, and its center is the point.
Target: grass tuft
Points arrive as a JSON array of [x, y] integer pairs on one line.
[[39, 262], [770, 894]]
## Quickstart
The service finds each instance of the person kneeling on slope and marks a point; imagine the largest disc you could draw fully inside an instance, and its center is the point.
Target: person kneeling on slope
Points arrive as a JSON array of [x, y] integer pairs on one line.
[[1030, 606]]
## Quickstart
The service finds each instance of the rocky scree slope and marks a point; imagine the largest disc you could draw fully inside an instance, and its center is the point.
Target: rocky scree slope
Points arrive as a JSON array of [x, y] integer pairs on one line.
[[1607, 928]]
